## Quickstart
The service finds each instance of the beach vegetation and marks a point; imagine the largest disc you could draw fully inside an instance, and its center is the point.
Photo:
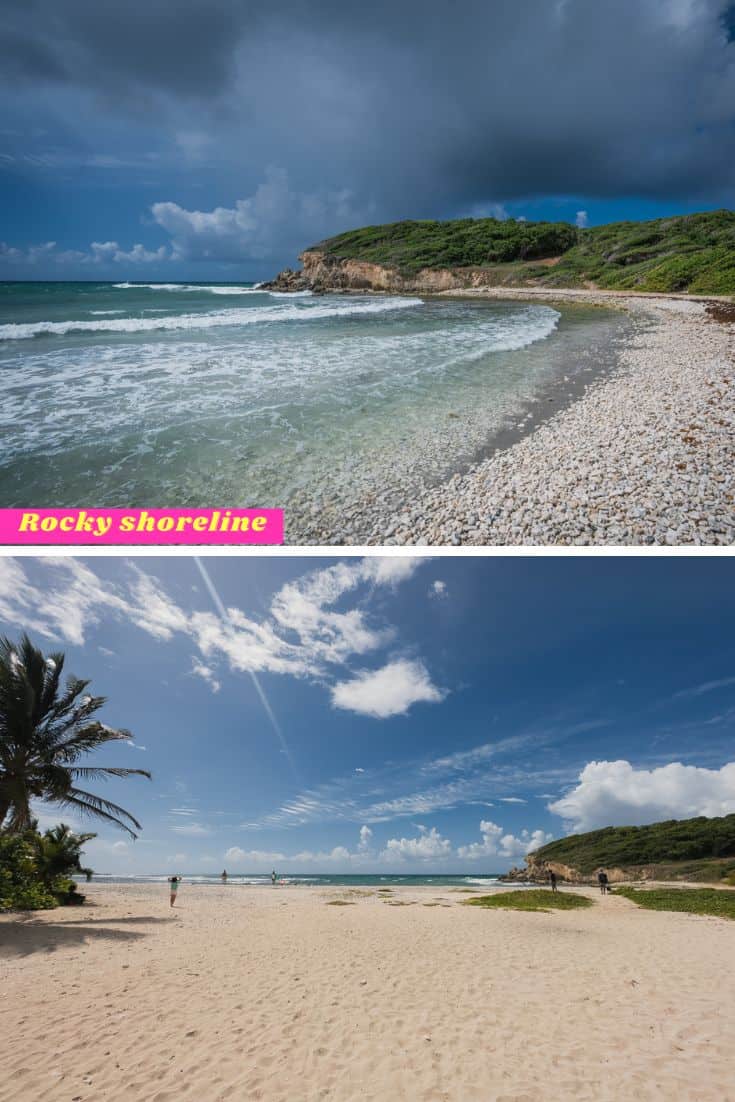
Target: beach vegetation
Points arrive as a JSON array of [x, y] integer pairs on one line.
[[46, 731], [692, 253], [36, 869], [531, 899], [700, 901], [700, 848]]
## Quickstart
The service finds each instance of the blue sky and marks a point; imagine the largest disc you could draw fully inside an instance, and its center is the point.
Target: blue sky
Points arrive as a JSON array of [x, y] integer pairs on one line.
[[392, 713], [178, 140]]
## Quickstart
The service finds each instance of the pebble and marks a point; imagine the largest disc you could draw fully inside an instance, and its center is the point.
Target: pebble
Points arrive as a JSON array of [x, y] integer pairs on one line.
[[646, 456]]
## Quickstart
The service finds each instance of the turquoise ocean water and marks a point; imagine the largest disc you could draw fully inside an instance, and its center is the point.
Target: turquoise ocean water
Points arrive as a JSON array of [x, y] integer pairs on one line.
[[315, 880], [171, 394]]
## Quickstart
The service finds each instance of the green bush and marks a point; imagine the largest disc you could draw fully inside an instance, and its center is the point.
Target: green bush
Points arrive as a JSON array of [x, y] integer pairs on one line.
[[21, 888], [35, 869]]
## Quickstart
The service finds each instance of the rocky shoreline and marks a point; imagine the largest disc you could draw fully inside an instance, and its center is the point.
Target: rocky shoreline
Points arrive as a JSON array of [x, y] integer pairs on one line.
[[646, 456]]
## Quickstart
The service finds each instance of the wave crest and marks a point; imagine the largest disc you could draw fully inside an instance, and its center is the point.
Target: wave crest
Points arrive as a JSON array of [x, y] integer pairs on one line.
[[216, 319]]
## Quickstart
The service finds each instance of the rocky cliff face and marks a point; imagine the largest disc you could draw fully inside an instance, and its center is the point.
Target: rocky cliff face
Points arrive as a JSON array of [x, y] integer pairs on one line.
[[322, 272], [537, 872]]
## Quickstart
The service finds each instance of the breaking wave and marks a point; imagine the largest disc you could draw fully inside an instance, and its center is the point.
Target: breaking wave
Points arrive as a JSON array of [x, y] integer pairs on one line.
[[213, 320], [212, 289]]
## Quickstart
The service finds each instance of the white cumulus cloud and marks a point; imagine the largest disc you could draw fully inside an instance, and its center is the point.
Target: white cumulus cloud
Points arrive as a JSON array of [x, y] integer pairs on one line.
[[427, 845], [389, 691], [256, 226], [615, 793], [496, 843]]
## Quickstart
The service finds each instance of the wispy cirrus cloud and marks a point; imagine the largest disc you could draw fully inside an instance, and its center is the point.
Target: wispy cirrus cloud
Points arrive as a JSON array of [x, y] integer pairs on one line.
[[705, 687], [307, 632]]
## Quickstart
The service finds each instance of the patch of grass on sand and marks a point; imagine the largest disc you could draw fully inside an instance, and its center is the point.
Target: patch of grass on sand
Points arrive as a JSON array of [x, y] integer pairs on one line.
[[400, 902], [340, 903], [531, 899], [465, 891], [698, 901]]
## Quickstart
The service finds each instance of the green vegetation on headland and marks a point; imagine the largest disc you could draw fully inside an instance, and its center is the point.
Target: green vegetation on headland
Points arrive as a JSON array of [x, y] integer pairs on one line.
[[700, 901], [46, 730], [697, 848], [689, 253], [530, 899]]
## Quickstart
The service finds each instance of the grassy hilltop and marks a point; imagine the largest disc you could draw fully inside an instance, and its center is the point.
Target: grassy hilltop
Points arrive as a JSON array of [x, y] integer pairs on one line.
[[694, 252], [696, 849]]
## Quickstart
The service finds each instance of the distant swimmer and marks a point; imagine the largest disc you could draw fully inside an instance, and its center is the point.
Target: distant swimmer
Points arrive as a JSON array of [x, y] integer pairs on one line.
[[223, 877], [603, 882], [174, 882], [273, 877]]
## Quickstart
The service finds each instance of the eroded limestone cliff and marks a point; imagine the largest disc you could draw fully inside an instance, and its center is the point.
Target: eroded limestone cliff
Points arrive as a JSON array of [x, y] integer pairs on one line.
[[322, 272]]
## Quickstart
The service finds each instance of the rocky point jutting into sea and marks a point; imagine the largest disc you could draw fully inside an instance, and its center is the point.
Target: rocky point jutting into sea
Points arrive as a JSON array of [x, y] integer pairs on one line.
[[646, 454]]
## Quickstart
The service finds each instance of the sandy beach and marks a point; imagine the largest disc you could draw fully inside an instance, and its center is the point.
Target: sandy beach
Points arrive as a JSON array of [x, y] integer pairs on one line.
[[275, 994], [643, 455]]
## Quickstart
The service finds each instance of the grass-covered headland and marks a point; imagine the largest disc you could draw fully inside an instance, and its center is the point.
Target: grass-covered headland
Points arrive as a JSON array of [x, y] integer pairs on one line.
[[692, 253], [699, 848], [530, 899]]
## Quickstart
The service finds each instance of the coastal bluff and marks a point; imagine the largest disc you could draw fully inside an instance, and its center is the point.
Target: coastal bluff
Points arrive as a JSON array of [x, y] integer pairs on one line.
[[700, 849], [322, 273], [689, 254]]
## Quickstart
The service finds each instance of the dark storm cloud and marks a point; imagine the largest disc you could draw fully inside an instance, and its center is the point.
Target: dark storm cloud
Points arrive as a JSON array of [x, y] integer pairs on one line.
[[416, 107]]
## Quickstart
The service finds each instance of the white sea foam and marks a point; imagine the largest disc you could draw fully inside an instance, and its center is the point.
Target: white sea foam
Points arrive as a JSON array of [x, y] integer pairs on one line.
[[107, 311], [211, 320], [212, 289]]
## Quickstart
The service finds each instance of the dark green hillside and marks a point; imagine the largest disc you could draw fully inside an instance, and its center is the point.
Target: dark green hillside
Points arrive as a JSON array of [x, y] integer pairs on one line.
[[676, 840], [467, 243], [694, 252]]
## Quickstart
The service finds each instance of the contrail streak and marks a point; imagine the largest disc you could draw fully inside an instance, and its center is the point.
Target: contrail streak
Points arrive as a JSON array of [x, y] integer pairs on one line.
[[258, 687]]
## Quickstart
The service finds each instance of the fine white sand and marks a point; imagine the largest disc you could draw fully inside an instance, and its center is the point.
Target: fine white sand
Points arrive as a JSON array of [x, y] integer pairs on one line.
[[260, 993]]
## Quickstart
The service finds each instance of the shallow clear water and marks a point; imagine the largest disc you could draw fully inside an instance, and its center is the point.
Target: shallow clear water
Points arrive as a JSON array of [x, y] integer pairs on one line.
[[202, 395]]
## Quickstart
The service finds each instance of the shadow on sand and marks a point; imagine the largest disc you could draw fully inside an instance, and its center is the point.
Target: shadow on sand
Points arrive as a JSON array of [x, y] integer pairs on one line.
[[28, 935]]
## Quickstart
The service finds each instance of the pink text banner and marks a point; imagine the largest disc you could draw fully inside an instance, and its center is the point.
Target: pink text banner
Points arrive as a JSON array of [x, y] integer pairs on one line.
[[152, 527]]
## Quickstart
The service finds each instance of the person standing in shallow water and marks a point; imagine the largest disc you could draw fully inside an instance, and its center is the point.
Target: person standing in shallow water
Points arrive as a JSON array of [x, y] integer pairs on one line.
[[174, 882], [223, 877], [602, 881], [552, 879], [273, 877]]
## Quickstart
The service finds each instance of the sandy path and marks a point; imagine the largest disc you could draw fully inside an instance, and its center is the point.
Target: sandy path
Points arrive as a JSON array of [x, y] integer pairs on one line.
[[273, 994]]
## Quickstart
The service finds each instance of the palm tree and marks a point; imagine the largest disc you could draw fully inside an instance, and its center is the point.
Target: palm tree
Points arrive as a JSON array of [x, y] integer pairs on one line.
[[58, 853], [44, 730]]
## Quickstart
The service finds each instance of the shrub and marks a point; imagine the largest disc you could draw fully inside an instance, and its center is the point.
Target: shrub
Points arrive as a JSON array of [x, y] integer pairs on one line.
[[21, 888]]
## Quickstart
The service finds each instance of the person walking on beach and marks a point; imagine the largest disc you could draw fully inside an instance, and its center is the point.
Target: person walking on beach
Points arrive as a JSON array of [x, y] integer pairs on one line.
[[552, 879], [602, 881], [174, 881], [273, 877]]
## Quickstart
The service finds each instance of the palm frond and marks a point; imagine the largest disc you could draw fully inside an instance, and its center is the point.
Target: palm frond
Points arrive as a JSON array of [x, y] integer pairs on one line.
[[89, 804], [100, 772]]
